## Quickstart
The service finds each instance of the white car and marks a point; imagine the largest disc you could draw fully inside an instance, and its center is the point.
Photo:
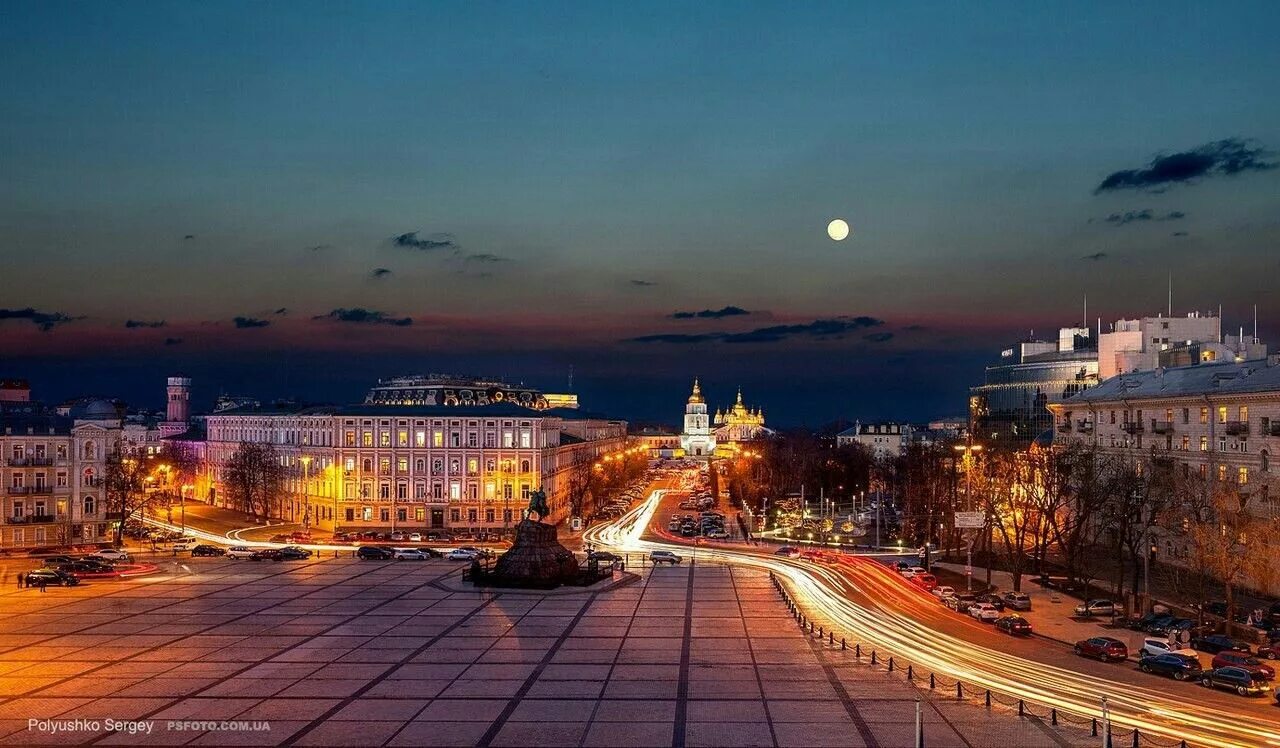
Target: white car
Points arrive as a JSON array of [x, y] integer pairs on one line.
[[408, 554], [458, 554], [1152, 646], [185, 544], [111, 554], [415, 537], [240, 551], [664, 557], [984, 612], [911, 571], [943, 592]]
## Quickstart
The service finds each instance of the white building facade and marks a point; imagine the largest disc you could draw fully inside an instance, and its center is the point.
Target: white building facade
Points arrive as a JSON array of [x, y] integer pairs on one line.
[[697, 438]]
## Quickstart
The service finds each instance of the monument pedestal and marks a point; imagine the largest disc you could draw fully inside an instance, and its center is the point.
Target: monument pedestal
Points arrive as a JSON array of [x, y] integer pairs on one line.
[[536, 559]]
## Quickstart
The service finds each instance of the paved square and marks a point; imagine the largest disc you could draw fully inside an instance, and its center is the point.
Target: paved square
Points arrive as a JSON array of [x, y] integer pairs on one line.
[[342, 652]]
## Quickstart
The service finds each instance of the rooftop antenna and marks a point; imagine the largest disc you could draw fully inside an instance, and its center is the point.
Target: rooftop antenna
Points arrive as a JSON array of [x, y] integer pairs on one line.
[[1170, 293]]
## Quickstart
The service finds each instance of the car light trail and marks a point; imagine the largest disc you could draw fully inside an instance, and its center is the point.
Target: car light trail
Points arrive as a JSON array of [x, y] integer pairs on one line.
[[825, 590]]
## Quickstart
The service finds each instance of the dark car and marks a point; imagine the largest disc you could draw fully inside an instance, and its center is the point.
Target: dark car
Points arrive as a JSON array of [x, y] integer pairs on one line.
[[267, 554], [1103, 648], [54, 561], [293, 553], [1014, 625], [89, 564], [1181, 667], [373, 553], [85, 567], [1165, 624], [1270, 651], [51, 576], [1215, 643], [1147, 620], [208, 550], [1235, 679], [603, 557], [994, 600], [1245, 661]]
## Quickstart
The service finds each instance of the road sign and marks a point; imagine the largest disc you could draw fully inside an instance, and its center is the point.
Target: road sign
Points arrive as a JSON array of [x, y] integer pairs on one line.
[[968, 571], [970, 520]]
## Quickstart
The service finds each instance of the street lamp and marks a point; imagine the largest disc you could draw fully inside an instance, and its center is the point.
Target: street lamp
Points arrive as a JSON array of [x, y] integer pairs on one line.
[[968, 448], [306, 498]]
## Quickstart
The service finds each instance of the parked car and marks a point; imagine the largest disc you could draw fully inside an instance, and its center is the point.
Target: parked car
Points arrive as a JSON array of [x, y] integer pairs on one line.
[[1243, 660], [461, 554], [185, 544], [397, 536], [960, 603], [984, 612], [664, 557], [1016, 601], [943, 592], [1180, 666], [267, 554], [788, 551], [294, 553], [1152, 646], [408, 554], [55, 577], [112, 554], [54, 561], [1097, 608], [240, 551], [208, 550], [1014, 625], [373, 553], [1103, 648], [1270, 651], [1235, 679], [603, 557], [927, 581], [911, 571], [415, 537], [1215, 643], [994, 600], [717, 534]]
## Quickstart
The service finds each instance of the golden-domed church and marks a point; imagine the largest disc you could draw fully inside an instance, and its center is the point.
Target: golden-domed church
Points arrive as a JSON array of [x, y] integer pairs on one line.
[[697, 440], [738, 424]]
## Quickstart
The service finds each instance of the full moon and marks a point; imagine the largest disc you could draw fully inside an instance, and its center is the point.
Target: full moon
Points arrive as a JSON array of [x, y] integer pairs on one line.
[[838, 229]]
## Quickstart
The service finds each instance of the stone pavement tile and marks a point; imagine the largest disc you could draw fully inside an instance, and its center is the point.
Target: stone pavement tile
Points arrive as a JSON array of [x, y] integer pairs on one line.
[[203, 669], [799, 735], [799, 690], [574, 672], [76, 687], [725, 689], [462, 710], [588, 689], [645, 672], [450, 734], [322, 688], [525, 734], [553, 710], [351, 733], [427, 671], [202, 709], [728, 734], [902, 735], [27, 736], [159, 735], [61, 669], [172, 687], [808, 711], [281, 708], [738, 710], [636, 710], [293, 670], [348, 672], [628, 735], [118, 708], [498, 656], [510, 671], [721, 672], [422, 689], [649, 689], [241, 686], [380, 709], [493, 689], [39, 707], [280, 732], [649, 657], [584, 657], [895, 710]]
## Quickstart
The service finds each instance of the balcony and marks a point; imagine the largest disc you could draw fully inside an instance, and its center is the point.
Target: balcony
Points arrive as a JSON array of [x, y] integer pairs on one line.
[[1162, 427], [1236, 428], [1132, 427], [32, 519], [30, 462], [1085, 426]]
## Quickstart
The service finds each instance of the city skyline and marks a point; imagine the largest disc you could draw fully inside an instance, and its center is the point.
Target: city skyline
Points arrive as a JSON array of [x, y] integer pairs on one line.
[[649, 204]]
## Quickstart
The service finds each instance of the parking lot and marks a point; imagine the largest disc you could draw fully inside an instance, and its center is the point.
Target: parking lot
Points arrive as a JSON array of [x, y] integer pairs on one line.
[[341, 651]]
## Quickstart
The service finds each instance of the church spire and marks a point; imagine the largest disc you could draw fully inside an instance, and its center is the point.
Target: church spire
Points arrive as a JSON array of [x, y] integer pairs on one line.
[[696, 397]]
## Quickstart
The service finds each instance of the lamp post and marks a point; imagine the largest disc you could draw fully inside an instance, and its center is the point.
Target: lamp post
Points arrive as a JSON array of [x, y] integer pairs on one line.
[[306, 498], [968, 448]]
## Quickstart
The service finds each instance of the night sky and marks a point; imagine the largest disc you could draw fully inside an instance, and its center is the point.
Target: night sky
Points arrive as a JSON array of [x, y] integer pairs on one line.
[[292, 199]]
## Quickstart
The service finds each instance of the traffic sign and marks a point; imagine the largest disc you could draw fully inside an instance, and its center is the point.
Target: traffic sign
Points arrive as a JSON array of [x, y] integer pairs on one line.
[[970, 520]]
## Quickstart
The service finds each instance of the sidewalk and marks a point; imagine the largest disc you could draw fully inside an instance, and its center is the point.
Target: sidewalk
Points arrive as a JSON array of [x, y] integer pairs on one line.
[[1054, 620]]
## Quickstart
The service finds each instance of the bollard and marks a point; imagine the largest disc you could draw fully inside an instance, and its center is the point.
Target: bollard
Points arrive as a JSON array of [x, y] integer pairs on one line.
[[919, 725], [1021, 711], [831, 639], [821, 633], [843, 646], [873, 657], [988, 698], [1053, 716], [910, 672], [1135, 737], [857, 650], [959, 690], [891, 663], [931, 683], [1093, 727]]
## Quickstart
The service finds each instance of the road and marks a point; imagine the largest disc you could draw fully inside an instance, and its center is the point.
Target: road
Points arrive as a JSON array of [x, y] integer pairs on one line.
[[869, 604]]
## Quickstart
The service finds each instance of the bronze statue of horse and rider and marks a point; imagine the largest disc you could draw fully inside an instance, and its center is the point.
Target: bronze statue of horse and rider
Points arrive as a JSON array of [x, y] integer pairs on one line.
[[538, 503]]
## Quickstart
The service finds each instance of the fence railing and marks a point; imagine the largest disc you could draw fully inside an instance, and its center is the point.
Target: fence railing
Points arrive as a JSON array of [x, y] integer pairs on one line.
[[965, 692]]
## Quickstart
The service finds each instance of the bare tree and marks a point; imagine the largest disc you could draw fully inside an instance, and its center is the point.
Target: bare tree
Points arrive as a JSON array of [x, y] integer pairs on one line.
[[124, 486], [254, 477]]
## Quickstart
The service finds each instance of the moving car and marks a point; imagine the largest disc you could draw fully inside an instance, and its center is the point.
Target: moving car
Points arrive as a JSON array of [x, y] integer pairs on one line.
[[943, 592], [185, 544], [1103, 648], [1235, 679], [461, 554], [373, 553], [51, 576], [208, 550], [408, 554], [1017, 601], [984, 612], [664, 557], [911, 571], [1180, 666], [788, 551], [1014, 625], [1097, 608], [1245, 661], [111, 554], [1215, 643], [240, 551]]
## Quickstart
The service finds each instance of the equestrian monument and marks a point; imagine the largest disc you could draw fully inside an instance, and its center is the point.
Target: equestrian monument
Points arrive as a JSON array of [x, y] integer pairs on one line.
[[536, 558]]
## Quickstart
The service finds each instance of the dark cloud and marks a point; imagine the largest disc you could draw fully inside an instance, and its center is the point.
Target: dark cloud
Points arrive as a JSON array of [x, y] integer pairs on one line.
[[641, 283], [914, 328], [1095, 256], [248, 323], [1138, 216], [281, 311], [172, 341], [1222, 158], [728, 311], [410, 240], [819, 329], [362, 316], [46, 321], [878, 337], [485, 257], [134, 324], [380, 273]]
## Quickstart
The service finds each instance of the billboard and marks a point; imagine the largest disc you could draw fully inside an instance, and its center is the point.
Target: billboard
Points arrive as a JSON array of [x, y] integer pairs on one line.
[[970, 520]]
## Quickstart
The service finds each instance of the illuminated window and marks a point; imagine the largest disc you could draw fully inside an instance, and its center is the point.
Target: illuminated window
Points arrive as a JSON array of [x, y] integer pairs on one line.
[[437, 438], [1222, 414], [402, 465], [384, 438], [384, 466], [350, 464], [1204, 444], [1222, 472], [1186, 443], [349, 439], [455, 491], [490, 490], [526, 439], [420, 439], [1244, 414], [1242, 476], [508, 439], [402, 439], [419, 514], [1204, 415]]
